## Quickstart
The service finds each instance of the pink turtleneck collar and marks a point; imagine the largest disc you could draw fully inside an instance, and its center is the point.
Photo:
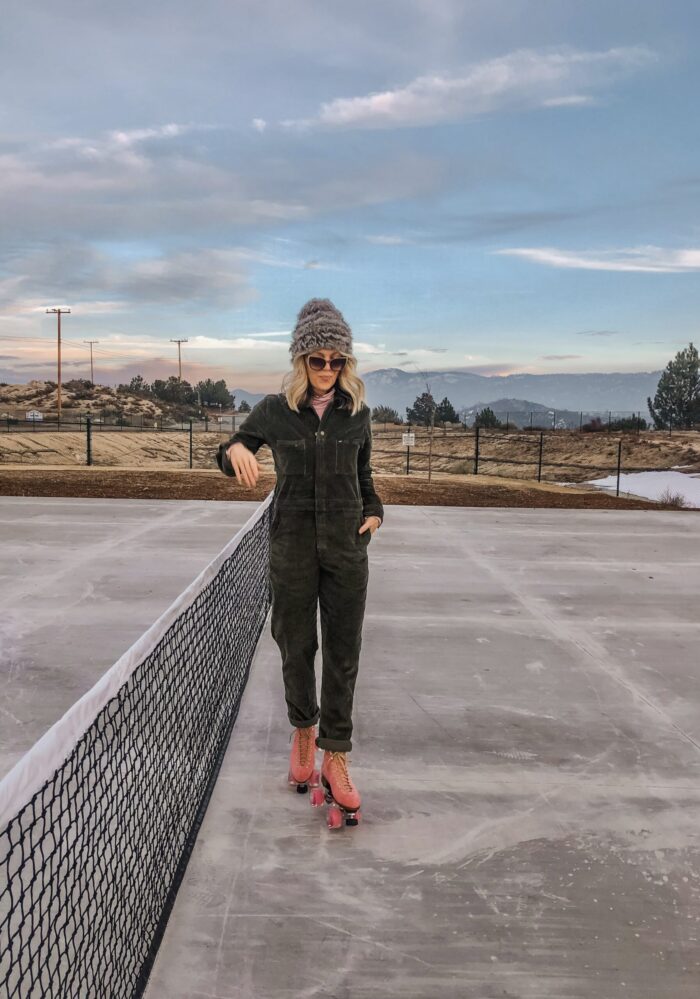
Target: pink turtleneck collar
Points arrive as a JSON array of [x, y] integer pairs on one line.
[[320, 402]]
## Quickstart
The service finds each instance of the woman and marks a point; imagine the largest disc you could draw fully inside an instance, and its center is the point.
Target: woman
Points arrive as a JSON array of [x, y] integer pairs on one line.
[[325, 510]]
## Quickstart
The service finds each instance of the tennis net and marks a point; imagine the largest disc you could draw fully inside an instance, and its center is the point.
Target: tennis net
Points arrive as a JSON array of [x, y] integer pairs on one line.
[[98, 819]]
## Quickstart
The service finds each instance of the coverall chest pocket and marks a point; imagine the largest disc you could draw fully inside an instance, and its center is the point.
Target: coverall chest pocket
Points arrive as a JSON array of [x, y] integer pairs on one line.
[[346, 451], [291, 457]]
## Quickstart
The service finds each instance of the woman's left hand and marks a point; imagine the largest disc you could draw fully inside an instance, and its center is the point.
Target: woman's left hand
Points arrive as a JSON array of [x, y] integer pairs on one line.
[[370, 524]]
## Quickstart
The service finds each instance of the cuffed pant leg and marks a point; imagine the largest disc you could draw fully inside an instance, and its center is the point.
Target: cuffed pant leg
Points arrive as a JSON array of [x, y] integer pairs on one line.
[[342, 597], [294, 611]]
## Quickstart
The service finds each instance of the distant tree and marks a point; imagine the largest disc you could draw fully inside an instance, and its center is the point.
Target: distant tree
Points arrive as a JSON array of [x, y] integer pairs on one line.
[[137, 385], [212, 393], [385, 414], [80, 388], [487, 418], [423, 410], [594, 426], [677, 399], [174, 391], [630, 423], [244, 407], [445, 412]]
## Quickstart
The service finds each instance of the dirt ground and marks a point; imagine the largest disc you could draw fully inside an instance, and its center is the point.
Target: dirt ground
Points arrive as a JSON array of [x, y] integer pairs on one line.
[[169, 483]]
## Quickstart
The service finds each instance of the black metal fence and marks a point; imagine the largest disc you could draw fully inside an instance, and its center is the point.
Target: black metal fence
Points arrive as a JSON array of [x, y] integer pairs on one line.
[[563, 419], [610, 420], [89, 429], [479, 451], [474, 458], [53, 423]]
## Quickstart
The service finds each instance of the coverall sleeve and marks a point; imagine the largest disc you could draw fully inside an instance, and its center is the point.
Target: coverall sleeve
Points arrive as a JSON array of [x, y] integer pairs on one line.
[[371, 504], [252, 433]]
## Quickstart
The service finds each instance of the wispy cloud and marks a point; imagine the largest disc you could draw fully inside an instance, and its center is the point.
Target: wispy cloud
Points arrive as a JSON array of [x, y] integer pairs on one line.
[[525, 78], [117, 141], [573, 100], [154, 190], [560, 357], [461, 227], [87, 307], [388, 240], [77, 270], [648, 259]]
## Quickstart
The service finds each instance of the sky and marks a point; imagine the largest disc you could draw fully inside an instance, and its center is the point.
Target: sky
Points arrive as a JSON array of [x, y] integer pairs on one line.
[[496, 186]]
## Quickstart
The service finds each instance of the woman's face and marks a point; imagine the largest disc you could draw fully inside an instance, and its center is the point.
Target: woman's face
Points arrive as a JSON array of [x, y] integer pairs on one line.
[[322, 381]]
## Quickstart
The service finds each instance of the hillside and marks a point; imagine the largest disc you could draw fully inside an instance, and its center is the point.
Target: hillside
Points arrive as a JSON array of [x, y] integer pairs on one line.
[[80, 397], [16, 400]]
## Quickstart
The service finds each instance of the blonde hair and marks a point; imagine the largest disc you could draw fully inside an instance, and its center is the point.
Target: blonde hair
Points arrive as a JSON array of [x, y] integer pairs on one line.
[[296, 384]]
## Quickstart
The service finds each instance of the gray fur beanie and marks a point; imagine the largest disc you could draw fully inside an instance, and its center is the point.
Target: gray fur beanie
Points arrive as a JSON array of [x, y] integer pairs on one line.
[[320, 326]]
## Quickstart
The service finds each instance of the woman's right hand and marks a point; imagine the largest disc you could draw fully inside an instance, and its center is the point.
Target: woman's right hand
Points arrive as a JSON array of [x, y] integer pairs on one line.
[[244, 464]]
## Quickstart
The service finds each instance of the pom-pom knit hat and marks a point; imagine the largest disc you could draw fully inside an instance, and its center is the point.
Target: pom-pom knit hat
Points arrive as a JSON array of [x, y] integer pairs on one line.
[[320, 326]]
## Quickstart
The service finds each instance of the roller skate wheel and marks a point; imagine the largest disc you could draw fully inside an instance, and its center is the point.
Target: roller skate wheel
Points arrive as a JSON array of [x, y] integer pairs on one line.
[[335, 817], [302, 788], [317, 797]]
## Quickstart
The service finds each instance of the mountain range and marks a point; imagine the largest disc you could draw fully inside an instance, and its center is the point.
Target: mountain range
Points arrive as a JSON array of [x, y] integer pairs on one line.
[[591, 392]]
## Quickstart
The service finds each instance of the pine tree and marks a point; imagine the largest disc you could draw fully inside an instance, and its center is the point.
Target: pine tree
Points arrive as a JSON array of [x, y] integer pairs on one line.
[[136, 385], [422, 411], [212, 393], [385, 414], [487, 418], [174, 391], [677, 399], [445, 412]]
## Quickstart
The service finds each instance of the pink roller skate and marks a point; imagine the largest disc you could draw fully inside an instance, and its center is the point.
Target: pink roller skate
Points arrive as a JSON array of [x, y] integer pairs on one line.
[[340, 794], [302, 760]]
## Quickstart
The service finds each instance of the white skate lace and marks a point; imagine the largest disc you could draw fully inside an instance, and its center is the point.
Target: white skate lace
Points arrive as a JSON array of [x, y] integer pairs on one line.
[[340, 759]]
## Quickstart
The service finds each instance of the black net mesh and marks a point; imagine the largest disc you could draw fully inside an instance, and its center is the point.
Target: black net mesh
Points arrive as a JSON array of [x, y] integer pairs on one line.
[[90, 866]]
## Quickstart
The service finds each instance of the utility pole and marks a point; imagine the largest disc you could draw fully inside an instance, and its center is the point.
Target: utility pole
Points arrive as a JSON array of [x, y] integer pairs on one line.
[[92, 372], [179, 358], [59, 312]]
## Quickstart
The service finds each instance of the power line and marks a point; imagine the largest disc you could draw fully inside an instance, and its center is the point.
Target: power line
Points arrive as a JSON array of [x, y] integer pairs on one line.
[[73, 343], [101, 351]]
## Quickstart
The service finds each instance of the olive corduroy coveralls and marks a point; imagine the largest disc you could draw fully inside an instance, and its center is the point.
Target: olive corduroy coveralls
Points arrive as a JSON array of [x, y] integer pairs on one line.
[[323, 493]]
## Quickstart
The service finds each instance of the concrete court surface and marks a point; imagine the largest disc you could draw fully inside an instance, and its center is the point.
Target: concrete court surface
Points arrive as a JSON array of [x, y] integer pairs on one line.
[[80, 581], [527, 744]]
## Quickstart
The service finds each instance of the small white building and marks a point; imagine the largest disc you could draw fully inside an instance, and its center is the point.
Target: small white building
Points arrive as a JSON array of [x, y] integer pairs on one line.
[[34, 414]]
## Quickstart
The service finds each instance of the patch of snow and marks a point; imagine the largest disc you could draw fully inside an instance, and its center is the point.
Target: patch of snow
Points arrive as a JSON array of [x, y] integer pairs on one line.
[[651, 485]]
